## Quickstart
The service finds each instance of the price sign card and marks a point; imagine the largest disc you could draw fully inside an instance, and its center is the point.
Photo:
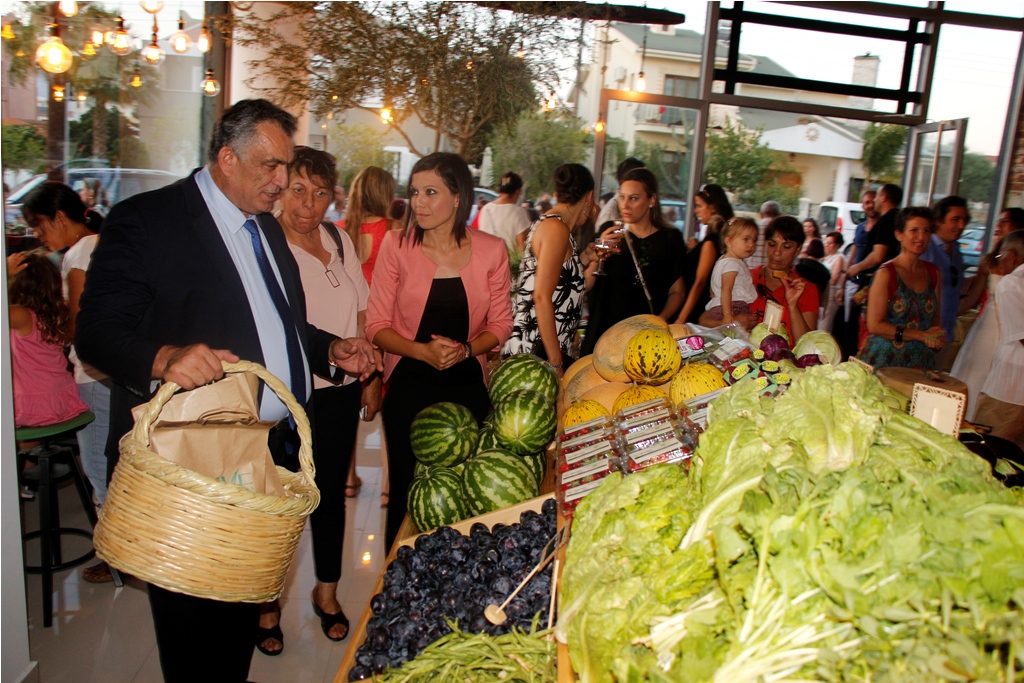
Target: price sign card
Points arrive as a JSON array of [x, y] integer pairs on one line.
[[772, 316], [941, 408]]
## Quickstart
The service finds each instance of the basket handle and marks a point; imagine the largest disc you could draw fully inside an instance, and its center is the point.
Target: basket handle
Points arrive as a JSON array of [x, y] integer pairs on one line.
[[143, 427]]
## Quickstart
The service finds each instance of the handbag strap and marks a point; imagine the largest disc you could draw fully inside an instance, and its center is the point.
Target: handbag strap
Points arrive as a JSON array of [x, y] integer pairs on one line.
[[332, 230], [639, 270]]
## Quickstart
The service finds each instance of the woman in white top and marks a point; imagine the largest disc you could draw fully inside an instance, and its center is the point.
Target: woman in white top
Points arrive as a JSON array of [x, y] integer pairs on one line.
[[61, 220], [835, 263], [504, 217]]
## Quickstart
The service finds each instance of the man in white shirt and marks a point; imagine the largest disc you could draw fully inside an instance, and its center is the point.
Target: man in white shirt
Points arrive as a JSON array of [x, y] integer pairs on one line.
[[1001, 402]]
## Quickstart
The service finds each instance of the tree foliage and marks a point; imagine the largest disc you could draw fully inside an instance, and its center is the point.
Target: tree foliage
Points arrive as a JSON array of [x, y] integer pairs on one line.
[[451, 66], [746, 167], [122, 146], [883, 143], [977, 175], [536, 146], [356, 147], [24, 147], [672, 171]]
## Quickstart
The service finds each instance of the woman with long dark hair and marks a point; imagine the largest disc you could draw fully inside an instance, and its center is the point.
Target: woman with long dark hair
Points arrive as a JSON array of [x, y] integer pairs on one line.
[[439, 302], [712, 209], [645, 276]]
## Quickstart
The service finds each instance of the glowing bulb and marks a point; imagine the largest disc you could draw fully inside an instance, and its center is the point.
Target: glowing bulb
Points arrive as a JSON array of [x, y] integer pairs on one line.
[[122, 42], [68, 8], [180, 42], [370, 537], [203, 41], [7, 33], [367, 557], [88, 50], [82, 96], [599, 126], [58, 93], [330, 115], [551, 103], [108, 38], [386, 116], [469, 65], [53, 55], [152, 6], [210, 85], [334, 98], [641, 83], [153, 54], [520, 53], [136, 81], [96, 36]]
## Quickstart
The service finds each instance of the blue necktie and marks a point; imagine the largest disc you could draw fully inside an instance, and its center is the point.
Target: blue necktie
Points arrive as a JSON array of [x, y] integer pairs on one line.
[[291, 335]]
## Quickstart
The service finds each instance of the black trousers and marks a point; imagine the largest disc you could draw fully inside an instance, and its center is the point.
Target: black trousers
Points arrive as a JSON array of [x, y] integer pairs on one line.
[[201, 640], [335, 423], [407, 395]]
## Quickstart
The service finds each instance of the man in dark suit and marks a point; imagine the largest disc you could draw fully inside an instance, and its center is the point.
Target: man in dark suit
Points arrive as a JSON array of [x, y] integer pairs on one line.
[[186, 277]]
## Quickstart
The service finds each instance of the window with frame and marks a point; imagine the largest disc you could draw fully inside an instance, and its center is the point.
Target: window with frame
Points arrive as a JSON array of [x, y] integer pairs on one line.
[[682, 86]]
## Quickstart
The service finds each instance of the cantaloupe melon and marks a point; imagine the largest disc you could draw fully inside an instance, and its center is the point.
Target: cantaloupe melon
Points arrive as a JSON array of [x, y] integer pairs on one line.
[[574, 369], [606, 393], [610, 349], [581, 382]]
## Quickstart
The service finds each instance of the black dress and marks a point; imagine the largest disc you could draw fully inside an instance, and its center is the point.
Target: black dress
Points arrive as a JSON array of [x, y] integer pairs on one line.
[[618, 294], [414, 385]]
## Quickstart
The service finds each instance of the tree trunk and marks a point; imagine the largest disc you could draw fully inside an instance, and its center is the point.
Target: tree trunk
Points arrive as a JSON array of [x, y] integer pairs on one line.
[[55, 113], [99, 127]]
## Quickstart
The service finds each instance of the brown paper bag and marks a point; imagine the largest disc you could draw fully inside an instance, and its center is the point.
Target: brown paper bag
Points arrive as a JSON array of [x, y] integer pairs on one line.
[[215, 430]]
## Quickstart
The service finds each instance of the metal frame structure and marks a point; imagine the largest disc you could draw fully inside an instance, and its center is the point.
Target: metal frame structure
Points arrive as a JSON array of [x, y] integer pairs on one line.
[[924, 24], [910, 169]]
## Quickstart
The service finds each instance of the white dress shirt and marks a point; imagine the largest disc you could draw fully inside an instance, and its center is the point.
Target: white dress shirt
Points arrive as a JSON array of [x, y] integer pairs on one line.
[[229, 220], [1006, 378]]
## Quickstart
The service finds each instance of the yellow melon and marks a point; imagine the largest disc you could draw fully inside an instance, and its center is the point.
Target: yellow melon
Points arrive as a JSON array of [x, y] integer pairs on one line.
[[575, 368], [610, 350], [606, 393], [583, 411], [638, 393], [695, 379]]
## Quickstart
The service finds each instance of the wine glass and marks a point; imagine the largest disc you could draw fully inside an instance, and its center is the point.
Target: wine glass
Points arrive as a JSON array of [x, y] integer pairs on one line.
[[604, 248]]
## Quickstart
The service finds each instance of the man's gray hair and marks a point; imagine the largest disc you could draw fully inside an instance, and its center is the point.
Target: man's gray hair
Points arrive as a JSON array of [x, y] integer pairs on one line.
[[1015, 242], [771, 209], [237, 125]]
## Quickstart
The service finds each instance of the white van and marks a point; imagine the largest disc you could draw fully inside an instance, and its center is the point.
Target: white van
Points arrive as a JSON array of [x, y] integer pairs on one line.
[[841, 216]]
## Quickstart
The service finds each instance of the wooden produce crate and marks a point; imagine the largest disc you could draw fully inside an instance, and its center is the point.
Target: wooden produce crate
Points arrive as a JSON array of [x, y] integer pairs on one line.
[[407, 535]]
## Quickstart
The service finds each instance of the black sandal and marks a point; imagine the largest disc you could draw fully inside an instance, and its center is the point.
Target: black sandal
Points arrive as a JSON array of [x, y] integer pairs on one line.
[[265, 634], [329, 621]]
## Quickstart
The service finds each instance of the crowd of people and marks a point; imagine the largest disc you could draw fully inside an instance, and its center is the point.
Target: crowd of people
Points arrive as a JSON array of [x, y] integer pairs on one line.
[[362, 303]]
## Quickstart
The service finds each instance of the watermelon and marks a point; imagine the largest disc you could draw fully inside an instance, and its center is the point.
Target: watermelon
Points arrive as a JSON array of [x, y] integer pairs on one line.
[[436, 499], [487, 439], [524, 422], [522, 372], [443, 434], [420, 469], [537, 463], [496, 479]]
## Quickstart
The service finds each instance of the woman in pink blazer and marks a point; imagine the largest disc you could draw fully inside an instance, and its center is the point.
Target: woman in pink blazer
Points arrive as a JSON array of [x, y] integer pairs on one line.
[[440, 300]]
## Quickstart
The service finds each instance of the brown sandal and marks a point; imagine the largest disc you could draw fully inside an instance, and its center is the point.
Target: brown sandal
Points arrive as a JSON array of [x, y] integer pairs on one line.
[[98, 573]]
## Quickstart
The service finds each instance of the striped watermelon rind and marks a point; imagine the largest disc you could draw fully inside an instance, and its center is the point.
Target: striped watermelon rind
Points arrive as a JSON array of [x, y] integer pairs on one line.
[[537, 462], [523, 372], [436, 499], [420, 469], [495, 479], [443, 434], [524, 422], [488, 440]]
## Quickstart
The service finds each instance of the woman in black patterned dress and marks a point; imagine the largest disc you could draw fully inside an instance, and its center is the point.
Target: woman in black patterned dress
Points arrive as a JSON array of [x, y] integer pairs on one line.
[[548, 297]]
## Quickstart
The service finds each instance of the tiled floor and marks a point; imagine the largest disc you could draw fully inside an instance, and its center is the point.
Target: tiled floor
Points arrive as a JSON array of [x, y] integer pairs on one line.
[[104, 634]]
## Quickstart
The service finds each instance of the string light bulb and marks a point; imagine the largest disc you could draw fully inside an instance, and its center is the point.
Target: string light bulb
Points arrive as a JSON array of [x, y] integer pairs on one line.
[[599, 126], [551, 103], [58, 93], [180, 42], [122, 42], [211, 87], [68, 8], [641, 82], [96, 35], [88, 50], [469, 65], [520, 53], [152, 6], [82, 96], [386, 116], [136, 81], [53, 55], [153, 54], [203, 41], [7, 33]]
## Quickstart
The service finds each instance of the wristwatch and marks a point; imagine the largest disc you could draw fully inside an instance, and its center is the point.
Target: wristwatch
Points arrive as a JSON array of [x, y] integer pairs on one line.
[[898, 337]]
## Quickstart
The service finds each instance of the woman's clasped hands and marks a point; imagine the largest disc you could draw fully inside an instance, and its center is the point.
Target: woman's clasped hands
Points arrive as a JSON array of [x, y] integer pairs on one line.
[[442, 353]]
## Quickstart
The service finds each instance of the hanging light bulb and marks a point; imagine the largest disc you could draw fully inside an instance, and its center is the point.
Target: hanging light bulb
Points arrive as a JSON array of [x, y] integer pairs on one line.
[[469, 65], [136, 80], [96, 35], [386, 115], [7, 33], [641, 82], [599, 126], [88, 50], [180, 42], [520, 53], [330, 115], [152, 6], [82, 96], [58, 93], [53, 55], [68, 8], [203, 41], [153, 54], [210, 84], [122, 42], [551, 103]]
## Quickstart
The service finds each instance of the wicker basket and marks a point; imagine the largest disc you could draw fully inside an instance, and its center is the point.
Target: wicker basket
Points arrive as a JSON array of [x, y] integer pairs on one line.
[[195, 535]]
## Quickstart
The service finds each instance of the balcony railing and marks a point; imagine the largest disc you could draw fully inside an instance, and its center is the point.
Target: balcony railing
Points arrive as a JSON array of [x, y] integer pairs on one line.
[[665, 116]]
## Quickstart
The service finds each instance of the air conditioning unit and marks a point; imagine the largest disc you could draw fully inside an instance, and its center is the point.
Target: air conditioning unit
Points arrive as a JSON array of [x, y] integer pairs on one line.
[[620, 73]]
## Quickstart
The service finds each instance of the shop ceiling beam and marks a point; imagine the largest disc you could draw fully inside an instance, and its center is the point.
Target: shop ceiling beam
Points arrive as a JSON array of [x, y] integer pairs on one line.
[[590, 11], [821, 26], [932, 14]]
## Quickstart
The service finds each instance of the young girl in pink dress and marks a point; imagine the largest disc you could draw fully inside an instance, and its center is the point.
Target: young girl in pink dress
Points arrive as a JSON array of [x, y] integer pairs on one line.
[[45, 391]]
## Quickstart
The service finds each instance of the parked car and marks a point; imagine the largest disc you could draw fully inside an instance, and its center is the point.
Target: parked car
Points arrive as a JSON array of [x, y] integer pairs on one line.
[[972, 244], [841, 216], [677, 205], [118, 184]]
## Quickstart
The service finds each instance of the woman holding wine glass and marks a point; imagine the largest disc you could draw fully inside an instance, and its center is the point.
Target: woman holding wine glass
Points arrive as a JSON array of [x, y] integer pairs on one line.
[[644, 272]]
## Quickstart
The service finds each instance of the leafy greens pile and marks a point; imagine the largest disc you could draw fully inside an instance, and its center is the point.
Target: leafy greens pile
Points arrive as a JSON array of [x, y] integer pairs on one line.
[[817, 536]]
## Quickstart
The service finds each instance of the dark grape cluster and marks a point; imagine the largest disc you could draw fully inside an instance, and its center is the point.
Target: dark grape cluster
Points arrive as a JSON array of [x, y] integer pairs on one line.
[[454, 577]]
